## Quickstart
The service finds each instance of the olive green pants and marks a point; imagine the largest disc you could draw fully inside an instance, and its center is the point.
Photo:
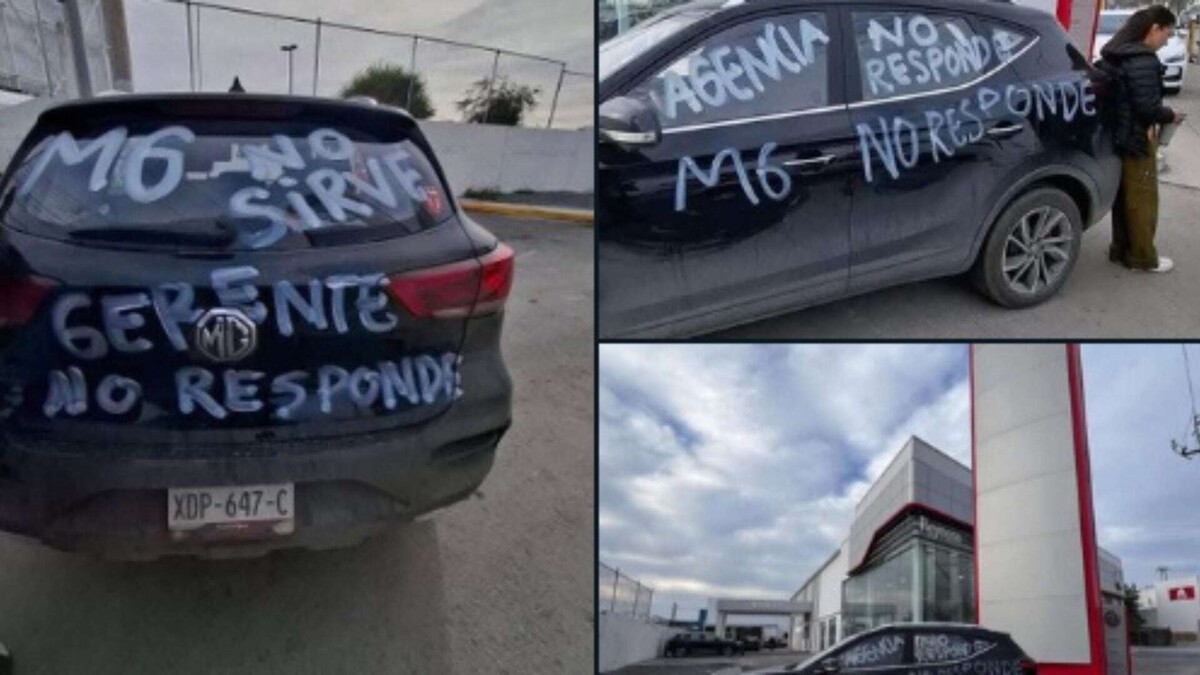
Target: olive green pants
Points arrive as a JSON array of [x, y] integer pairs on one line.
[[1135, 213]]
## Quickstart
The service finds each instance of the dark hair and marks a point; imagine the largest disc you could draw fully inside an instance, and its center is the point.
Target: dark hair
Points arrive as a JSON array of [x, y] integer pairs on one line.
[[1140, 23]]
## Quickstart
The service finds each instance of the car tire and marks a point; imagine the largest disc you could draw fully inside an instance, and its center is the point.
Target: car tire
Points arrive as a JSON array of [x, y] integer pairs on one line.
[[1044, 218]]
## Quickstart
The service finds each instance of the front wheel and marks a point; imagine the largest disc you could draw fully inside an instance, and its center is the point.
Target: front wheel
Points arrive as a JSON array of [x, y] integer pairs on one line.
[[1031, 250]]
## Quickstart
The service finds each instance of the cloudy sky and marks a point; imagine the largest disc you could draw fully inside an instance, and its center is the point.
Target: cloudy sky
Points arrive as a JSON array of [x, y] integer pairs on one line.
[[733, 470], [249, 47]]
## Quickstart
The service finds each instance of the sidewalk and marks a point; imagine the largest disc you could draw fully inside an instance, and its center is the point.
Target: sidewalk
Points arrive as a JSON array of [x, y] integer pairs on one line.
[[574, 207]]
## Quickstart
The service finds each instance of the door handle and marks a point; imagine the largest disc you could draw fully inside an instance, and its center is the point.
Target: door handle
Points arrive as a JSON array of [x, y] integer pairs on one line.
[[1004, 130], [812, 162]]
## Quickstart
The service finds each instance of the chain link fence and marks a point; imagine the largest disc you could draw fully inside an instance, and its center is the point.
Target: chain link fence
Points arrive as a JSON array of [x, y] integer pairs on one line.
[[621, 594], [277, 53], [199, 46]]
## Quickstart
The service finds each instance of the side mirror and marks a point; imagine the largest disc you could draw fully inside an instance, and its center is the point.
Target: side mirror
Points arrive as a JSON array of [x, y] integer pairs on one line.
[[629, 122]]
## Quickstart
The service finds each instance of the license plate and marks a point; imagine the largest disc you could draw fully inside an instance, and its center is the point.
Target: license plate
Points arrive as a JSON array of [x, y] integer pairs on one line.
[[232, 508]]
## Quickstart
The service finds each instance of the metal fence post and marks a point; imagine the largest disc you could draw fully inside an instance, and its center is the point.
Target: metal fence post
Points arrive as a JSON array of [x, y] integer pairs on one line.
[[317, 58], [199, 51], [74, 18], [37, 14], [487, 111], [637, 594], [612, 606], [412, 79], [187, 8], [649, 602], [12, 53], [562, 72]]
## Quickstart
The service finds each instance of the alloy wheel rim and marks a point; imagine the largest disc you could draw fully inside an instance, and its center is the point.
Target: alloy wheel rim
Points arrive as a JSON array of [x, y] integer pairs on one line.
[[1037, 250]]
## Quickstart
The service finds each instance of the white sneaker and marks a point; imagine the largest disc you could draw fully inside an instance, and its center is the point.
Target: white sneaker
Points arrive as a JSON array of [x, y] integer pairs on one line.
[[1164, 265]]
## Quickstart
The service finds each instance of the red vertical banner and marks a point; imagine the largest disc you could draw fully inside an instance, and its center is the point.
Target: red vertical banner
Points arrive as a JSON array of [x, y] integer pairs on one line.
[[1064, 14], [1083, 476]]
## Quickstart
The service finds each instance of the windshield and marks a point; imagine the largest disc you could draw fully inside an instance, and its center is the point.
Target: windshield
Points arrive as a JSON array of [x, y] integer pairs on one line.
[[222, 184], [1111, 23], [628, 46]]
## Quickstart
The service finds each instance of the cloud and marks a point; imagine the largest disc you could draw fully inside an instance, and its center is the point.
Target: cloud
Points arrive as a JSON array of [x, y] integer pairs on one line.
[[735, 468], [1137, 402]]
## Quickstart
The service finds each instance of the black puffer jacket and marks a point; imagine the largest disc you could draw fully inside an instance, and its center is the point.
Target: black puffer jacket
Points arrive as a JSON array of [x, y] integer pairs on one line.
[[1139, 104]]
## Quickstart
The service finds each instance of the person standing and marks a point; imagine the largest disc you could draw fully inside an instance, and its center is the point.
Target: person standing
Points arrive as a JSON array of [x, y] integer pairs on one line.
[[1131, 56]]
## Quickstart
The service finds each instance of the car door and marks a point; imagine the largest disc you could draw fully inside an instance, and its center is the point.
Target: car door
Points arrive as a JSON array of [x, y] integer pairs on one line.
[[940, 135], [877, 653], [743, 207], [937, 648]]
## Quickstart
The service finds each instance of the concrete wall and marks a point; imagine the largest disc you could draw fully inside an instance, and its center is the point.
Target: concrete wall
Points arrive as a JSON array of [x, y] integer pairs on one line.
[[475, 156], [1029, 520], [625, 640], [512, 158]]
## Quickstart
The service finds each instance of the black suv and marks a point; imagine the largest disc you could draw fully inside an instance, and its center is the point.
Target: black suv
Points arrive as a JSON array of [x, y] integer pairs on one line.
[[758, 157], [233, 323], [689, 644], [919, 647]]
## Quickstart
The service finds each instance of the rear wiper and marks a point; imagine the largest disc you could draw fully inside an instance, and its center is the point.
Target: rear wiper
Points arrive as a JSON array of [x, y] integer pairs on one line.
[[139, 236]]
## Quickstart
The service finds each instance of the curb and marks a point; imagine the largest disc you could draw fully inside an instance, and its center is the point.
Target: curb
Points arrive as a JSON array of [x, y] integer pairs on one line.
[[527, 211]]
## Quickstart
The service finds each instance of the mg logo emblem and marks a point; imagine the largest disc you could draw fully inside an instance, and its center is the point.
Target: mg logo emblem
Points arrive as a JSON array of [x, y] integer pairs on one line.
[[225, 335]]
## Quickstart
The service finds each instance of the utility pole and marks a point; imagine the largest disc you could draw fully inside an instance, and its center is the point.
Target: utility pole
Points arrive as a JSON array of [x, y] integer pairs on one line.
[[290, 49], [74, 16]]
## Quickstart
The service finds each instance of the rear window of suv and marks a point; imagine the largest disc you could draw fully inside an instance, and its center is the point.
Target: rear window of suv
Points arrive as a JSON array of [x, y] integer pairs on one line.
[[223, 184]]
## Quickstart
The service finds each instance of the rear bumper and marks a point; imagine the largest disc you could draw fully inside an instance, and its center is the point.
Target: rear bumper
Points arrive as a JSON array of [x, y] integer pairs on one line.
[[346, 487]]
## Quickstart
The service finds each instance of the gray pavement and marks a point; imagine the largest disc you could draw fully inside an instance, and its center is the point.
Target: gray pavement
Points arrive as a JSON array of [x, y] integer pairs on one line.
[[1100, 300], [1166, 660], [501, 583]]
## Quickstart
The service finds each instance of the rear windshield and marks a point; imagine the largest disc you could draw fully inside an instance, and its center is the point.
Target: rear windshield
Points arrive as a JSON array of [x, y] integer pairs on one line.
[[224, 185]]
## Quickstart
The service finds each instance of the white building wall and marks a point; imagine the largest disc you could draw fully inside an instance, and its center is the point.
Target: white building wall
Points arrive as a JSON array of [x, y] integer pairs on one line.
[[1028, 528], [474, 156], [1180, 615], [626, 639]]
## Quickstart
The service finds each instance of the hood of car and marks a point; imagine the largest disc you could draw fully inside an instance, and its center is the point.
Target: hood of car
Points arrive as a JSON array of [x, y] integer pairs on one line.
[[1174, 51]]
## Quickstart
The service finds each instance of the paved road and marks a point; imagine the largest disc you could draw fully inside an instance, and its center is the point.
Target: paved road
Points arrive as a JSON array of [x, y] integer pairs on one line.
[[1166, 660], [1100, 300], [502, 583], [712, 665]]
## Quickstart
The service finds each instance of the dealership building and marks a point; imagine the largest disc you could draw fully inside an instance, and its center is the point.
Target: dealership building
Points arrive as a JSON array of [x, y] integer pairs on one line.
[[909, 555], [1173, 604]]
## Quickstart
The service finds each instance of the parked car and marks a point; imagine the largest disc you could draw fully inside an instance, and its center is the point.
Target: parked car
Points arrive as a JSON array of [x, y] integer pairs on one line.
[[907, 648], [691, 644], [1174, 54], [234, 323], [751, 644], [757, 158], [773, 643]]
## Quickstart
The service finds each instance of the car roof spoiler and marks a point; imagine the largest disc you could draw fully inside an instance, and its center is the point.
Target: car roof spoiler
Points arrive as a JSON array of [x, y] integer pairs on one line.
[[335, 112]]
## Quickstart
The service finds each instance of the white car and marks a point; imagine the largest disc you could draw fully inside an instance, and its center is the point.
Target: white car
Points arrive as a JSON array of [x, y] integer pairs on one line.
[[1173, 54]]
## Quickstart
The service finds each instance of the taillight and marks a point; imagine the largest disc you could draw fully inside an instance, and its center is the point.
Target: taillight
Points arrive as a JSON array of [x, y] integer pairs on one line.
[[20, 298], [1027, 667], [457, 290]]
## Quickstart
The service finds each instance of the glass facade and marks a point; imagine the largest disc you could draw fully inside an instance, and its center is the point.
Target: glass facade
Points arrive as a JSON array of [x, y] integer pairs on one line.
[[618, 16], [916, 580]]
